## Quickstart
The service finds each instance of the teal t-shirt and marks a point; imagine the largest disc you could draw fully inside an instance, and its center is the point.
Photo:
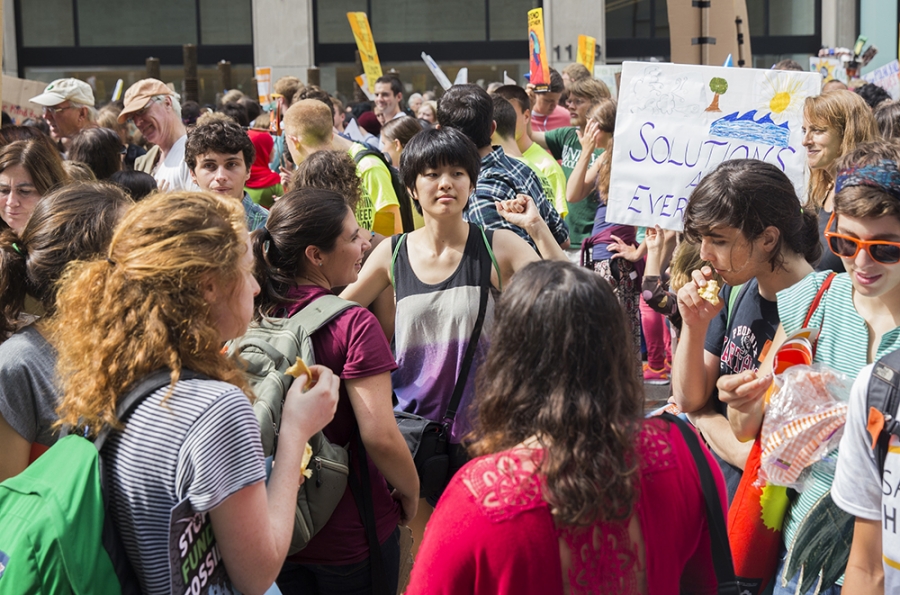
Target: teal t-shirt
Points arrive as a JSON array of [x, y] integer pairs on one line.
[[565, 146]]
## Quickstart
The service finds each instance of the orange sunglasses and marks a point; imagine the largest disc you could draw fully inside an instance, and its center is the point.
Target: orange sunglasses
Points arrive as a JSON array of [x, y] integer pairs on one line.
[[846, 246]]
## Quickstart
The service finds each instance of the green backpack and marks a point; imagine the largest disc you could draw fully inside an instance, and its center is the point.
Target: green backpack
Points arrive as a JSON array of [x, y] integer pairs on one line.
[[267, 350]]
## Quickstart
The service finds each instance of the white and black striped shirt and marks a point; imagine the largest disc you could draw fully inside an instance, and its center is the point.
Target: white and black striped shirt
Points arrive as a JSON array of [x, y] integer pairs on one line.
[[202, 443]]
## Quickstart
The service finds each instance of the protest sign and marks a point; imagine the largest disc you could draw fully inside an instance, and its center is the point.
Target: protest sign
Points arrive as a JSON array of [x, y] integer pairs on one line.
[[16, 93], [364, 86], [437, 71], [537, 51], [362, 33], [264, 84], [675, 123], [609, 74], [462, 77], [831, 68], [887, 77], [585, 54]]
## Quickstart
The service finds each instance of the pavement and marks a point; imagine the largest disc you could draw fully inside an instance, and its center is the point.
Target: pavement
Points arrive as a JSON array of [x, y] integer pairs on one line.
[[655, 396]]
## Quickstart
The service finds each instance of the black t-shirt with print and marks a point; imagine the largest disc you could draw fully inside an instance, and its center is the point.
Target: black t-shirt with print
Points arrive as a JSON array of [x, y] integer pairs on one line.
[[740, 346]]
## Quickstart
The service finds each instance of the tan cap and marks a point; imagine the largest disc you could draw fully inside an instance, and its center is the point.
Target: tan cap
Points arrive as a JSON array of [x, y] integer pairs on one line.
[[65, 90], [139, 95]]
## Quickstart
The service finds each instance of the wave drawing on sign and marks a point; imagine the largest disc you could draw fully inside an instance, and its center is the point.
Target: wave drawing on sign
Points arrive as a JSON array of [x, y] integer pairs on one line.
[[652, 92], [745, 127]]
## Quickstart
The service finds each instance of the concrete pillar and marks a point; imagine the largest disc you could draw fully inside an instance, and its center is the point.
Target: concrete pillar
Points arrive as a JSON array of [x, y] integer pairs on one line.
[[283, 37], [565, 20], [839, 23], [10, 59]]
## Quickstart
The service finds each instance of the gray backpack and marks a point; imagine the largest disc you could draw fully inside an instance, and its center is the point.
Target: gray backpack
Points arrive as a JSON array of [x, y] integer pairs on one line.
[[268, 349]]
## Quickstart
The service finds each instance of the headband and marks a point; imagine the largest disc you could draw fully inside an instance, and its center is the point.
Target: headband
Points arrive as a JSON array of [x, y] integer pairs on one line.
[[883, 176]]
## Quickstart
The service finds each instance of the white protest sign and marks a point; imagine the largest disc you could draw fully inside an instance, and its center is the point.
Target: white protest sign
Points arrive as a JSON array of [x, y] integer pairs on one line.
[[462, 77], [831, 68], [887, 77], [675, 123], [436, 71], [608, 74], [16, 95]]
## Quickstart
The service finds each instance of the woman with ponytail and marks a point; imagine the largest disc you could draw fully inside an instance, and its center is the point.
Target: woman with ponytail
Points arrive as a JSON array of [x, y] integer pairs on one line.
[[175, 284], [74, 223], [312, 244]]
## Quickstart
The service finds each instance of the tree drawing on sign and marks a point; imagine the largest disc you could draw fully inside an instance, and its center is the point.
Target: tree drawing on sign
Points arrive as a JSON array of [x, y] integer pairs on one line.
[[718, 86]]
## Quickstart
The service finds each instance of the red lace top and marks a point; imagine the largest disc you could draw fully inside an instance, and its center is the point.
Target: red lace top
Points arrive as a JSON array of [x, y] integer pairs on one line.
[[493, 533]]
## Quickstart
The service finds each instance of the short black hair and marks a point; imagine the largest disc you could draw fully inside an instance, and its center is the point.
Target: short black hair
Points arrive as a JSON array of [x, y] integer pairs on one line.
[[514, 93], [434, 148], [872, 94], [556, 82], [469, 109], [394, 82], [505, 118], [237, 112], [218, 136], [137, 184]]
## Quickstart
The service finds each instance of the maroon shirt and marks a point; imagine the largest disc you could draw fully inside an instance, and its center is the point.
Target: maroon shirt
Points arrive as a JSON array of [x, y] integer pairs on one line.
[[352, 346]]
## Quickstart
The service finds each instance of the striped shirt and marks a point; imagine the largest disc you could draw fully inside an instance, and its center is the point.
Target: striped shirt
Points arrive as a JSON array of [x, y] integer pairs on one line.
[[202, 443], [843, 345]]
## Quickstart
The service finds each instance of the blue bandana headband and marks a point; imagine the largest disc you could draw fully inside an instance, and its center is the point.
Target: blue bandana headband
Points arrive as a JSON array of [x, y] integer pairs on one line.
[[883, 176]]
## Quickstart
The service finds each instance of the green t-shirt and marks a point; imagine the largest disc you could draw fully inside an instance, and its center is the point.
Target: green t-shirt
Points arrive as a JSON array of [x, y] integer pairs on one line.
[[544, 165], [564, 145]]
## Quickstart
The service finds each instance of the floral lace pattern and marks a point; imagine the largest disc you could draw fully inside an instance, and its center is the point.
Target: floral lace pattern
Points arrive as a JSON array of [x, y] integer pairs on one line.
[[604, 558], [505, 485]]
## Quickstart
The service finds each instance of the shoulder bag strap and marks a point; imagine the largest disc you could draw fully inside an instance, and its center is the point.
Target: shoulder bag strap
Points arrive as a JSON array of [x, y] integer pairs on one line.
[[487, 244], [883, 394], [361, 488], [453, 405], [815, 304], [733, 297], [397, 240], [721, 550]]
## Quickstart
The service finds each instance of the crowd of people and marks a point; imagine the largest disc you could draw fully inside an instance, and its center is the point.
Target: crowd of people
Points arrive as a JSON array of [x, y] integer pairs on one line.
[[489, 292]]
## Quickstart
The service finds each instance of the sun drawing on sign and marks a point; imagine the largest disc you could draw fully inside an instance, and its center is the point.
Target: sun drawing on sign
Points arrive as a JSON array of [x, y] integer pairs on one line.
[[782, 94]]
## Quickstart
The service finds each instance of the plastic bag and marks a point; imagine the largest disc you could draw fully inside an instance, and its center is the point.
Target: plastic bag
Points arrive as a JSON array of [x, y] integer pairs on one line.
[[804, 422]]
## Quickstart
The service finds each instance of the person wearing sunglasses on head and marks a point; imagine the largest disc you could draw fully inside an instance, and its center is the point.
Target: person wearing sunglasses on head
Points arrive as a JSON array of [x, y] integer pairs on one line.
[[857, 318]]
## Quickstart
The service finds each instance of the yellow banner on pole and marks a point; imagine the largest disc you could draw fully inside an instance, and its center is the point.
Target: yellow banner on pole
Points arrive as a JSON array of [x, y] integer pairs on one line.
[[359, 23], [586, 45], [537, 51]]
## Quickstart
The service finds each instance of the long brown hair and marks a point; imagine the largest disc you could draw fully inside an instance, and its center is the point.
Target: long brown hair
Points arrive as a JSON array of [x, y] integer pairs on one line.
[[142, 308], [584, 404], [604, 113], [849, 116], [75, 222], [42, 163]]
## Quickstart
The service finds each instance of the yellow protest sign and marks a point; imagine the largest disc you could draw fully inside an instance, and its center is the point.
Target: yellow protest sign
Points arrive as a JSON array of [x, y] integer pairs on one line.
[[359, 23], [537, 51], [586, 45]]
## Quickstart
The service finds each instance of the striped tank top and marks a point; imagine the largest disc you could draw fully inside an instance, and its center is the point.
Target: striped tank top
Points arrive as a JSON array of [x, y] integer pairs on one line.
[[433, 327]]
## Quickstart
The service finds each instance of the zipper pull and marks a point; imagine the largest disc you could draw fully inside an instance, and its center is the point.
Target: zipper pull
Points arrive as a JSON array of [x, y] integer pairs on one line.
[[318, 472]]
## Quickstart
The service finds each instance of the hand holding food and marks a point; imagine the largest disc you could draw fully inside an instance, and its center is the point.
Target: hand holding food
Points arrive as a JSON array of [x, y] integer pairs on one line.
[[299, 369], [710, 292]]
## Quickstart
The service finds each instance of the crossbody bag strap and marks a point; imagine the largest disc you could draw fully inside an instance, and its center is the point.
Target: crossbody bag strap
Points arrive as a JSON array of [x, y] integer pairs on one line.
[[361, 488], [715, 517], [453, 405], [883, 395], [397, 240], [815, 305]]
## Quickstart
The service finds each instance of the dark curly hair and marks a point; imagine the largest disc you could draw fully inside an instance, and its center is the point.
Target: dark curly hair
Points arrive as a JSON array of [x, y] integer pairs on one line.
[[329, 170], [219, 136], [873, 95], [584, 405], [100, 148]]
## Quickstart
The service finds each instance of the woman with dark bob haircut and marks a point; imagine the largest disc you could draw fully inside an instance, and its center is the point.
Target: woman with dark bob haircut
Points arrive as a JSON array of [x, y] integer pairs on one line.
[[573, 490]]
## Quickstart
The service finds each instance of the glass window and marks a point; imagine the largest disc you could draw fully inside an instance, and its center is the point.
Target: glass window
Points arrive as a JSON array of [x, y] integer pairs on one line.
[[629, 19], [797, 17], [332, 20], [225, 22], [414, 20], [47, 23], [756, 14], [509, 19], [136, 22]]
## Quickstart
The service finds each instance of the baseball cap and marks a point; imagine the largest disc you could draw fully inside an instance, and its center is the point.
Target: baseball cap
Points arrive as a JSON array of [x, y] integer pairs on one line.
[[139, 95], [65, 90]]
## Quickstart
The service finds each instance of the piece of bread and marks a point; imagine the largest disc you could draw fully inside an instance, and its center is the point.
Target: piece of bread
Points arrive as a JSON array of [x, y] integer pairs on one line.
[[307, 456], [298, 369], [710, 293]]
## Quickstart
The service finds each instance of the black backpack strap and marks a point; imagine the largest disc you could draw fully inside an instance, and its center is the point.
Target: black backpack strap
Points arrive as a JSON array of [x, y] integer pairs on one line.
[[469, 357], [361, 488], [715, 516], [883, 394]]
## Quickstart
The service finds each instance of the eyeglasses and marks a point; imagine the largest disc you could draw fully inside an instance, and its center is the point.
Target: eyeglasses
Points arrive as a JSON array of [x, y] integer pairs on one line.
[[141, 112], [845, 246], [56, 110]]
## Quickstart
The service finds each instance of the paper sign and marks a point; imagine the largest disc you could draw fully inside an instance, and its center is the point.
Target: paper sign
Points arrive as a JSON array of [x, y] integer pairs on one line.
[[537, 51], [831, 69], [508, 80], [364, 85], [436, 71], [609, 75], [887, 77], [359, 22], [675, 123], [462, 77], [585, 55], [264, 85], [16, 95]]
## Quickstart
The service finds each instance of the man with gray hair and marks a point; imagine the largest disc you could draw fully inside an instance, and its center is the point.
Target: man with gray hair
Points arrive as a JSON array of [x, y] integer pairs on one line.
[[153, 107], [68, 108]]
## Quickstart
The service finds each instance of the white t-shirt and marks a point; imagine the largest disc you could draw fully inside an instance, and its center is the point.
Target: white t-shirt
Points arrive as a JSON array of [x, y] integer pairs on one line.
[[173, 170], [860, 490]]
